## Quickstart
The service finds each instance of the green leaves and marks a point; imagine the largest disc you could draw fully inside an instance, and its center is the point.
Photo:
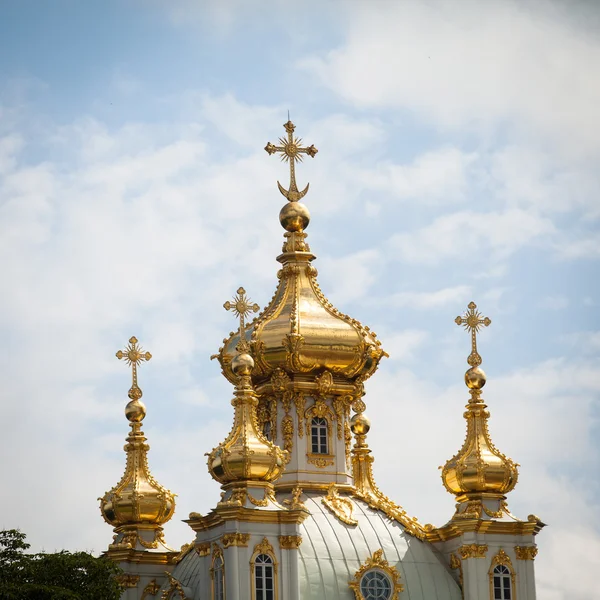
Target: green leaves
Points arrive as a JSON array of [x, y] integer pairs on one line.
[[58, 576]]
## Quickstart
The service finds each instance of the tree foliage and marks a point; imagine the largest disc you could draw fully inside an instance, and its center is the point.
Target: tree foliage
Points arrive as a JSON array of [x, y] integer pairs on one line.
[[57, 576]]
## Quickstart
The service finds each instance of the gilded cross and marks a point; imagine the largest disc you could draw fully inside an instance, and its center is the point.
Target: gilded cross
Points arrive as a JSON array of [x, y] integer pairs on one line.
[[473, 320], [291, 151], [133, 355], [241, 307]]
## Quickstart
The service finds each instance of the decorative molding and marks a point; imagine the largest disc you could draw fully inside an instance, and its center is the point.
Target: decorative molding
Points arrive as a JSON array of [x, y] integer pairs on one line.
[[151, 589], [526, 552], [174, 587], [264, 547], [183, 552], [290, 542], [456, 563], [235, 539], [127, 580], [341, 507], [294, 503], [473, 551], [321, 461], [501, 558], [377, 562], [203, 548], [287, 431], [299, 403]]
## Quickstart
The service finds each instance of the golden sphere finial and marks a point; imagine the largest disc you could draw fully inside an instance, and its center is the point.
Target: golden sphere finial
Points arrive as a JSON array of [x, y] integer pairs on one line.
[[360, 424], [475, 378], [294, 217], [135, 411], [242, 364]]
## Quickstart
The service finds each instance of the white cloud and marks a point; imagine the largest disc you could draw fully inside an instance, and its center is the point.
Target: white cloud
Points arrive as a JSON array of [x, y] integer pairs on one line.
[[466, 233], [473, 66], [427, 300], [554, 302]]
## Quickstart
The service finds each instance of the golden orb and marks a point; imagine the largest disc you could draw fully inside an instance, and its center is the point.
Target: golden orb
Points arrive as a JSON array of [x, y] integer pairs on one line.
[[135, 411], [475, 378], [294, 216], [360, 424], [242, 364]]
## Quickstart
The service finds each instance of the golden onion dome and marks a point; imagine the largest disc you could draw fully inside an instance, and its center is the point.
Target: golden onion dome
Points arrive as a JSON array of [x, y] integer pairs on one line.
[[138, 498], [478, 467], [246, 455], [300, 331]]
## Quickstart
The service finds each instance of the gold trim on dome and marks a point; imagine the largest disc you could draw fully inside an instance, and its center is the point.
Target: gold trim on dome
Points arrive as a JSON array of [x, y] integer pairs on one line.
[[526, 552], [175, 587], [473, 551], [478, 467], [341, 507], [366, 489], [377, 563], [456, 564]]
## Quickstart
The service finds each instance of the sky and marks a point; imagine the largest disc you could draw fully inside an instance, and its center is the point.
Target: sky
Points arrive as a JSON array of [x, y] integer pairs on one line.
[[458, 152]]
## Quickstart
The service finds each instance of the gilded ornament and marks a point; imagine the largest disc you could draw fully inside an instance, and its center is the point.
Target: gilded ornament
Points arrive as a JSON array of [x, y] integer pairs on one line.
[[203, 548], [138, 500], [235, 539], [127, 580], [324, 383], [300, 403], [175, 587], [320, 461], [526, 552], [290, 542], [241, 307], [478, 467], [341, 507], [379, 563], [287, 430], [473, 551], [150, 590], [295, 502], [291, 152], [264, 547]]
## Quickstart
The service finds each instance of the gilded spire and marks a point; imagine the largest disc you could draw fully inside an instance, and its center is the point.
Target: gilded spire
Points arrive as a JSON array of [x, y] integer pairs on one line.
[[479, 467], [300, 331], [246, 455], [138, 505]]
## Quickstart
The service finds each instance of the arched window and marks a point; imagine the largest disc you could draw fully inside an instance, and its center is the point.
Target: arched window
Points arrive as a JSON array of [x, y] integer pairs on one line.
[[502, 582], [264, 577], [318, 430], [375, 585], [218, 578]]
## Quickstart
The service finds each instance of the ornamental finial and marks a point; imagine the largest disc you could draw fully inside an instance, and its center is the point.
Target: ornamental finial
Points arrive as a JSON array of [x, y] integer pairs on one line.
[[134, 355], [473, 321], [291, 151], [241, 307]]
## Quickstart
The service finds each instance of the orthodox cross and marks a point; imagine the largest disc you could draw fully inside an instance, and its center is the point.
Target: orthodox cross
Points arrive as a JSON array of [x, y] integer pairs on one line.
[[473, 320], [291, 151], [241, 307], [133, 355]]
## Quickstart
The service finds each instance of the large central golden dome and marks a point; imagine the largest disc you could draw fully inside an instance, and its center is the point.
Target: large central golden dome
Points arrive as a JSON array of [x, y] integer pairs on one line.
[[300, 331]]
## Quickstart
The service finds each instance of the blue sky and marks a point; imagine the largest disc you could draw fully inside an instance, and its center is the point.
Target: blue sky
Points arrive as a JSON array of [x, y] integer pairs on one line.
[[458, 155]]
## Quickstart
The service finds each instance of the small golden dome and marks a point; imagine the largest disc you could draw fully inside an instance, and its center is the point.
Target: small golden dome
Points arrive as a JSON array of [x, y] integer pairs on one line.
[[478, 467], [138, 498], [294, 216]]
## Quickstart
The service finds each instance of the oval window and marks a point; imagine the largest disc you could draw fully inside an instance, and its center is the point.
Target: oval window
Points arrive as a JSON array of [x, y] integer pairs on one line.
[[375, 585]]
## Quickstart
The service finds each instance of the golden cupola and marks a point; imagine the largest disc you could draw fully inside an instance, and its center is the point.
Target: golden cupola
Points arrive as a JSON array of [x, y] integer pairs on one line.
[[138, 505], [246, 456], [479, 470], [300, 332]]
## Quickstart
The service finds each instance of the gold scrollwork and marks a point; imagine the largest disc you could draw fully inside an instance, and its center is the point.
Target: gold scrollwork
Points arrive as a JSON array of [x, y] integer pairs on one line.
[[175, 587], [377, 563], [295, 501], [320, 461], [150, 590], [127, 580], [203, 548], [299, 402], [473, 551], [287, 430], [526, 552], [290, 542], [235, 539], [341, 507]]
